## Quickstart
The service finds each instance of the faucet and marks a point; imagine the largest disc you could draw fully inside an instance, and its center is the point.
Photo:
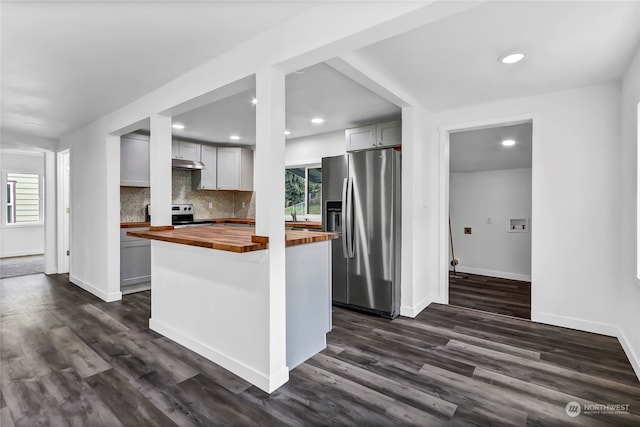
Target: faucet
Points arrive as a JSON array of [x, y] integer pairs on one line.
[[294, 216]]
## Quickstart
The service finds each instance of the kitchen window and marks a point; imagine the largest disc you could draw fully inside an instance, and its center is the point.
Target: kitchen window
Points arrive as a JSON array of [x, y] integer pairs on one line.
[[23, 204], [303, 190]]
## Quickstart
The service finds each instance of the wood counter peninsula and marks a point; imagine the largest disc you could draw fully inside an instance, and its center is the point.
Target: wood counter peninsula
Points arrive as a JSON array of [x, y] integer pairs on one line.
[[210, 293]]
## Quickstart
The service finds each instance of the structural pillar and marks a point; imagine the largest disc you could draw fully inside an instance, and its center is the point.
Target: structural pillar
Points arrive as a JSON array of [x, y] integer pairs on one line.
[[160, 170], [269, 186]]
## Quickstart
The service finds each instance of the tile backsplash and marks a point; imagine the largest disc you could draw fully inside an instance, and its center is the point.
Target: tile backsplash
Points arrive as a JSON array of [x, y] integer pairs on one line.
[[224, 204], [133, 201]]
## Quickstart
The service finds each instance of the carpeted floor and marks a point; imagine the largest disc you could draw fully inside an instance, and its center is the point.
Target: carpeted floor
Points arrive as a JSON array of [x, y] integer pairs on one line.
[[21, 266]]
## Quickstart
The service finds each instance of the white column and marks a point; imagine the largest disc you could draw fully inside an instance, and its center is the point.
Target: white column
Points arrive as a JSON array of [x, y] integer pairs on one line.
[[160, 170], [269, 187]]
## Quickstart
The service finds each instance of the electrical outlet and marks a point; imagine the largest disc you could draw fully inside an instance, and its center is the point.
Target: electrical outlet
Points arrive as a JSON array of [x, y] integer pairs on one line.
[[467, 230], [489, 221], [244, 204], [210, 205]]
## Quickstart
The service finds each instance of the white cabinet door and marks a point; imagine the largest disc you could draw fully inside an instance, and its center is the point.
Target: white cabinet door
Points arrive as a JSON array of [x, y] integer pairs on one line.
[[185, 150], [190, 151], [175, 150], [389, 134], [235, 169], [228, 168], [134, 161], [206, 179], [362, 138]]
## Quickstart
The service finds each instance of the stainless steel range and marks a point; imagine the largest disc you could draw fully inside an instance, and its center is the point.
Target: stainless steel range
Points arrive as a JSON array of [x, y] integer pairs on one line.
[[182, 215]]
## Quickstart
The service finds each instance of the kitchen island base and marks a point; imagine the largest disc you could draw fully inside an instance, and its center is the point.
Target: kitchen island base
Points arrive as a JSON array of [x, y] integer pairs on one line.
[[216, 303]]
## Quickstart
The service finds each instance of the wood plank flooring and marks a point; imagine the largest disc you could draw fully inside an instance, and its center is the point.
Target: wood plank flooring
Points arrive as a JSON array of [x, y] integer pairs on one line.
[[68, 358], [492, 294]]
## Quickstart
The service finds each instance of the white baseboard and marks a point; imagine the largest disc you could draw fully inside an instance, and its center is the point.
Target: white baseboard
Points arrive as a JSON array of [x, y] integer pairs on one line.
[[493, 273], [108, 297], [260, 380], [413, 311], [575, 323], [628, 350], [596, 328], [21, 253]]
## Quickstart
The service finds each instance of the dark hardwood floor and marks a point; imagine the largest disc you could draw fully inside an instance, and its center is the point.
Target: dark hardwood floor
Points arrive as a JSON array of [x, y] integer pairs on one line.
[[68, 358], [492, 294]]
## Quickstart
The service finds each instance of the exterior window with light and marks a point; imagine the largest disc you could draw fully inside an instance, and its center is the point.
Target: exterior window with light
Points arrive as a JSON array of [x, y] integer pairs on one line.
[[23, 205], [303, 190]]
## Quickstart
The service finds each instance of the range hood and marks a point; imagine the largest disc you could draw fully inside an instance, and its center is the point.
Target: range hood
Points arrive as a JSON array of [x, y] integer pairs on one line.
[[187, 165]]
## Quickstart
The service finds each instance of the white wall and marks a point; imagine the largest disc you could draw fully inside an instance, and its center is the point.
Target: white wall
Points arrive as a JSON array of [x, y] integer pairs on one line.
[[312, 149], [491, 249], [576, 199], [627, 286], [21, 239]]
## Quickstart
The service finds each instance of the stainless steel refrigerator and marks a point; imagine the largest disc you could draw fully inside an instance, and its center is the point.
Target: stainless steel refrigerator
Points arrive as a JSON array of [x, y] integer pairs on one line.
[[361, 200]]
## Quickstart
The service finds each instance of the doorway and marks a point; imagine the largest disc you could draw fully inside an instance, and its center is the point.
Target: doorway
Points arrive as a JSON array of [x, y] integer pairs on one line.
[[490, 194]]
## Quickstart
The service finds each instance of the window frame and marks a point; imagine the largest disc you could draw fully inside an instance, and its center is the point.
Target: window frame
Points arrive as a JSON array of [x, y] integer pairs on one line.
[[10, 201], [5, 181], [306, 166]]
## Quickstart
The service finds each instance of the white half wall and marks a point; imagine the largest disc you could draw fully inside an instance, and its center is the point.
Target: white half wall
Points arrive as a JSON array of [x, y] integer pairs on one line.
[[486, 201], [312, 149], [21, 239]]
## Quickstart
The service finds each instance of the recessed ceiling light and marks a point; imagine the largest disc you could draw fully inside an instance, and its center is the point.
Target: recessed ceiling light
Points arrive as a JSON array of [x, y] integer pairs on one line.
[[511, 58], [286, 132], [254, 101], [38, 125], [508, 142], [317, 120], [177, 126], [234, 137]]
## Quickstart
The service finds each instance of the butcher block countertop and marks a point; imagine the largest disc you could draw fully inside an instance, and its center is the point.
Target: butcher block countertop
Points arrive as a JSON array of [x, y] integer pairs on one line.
[[134, 224], [232, 239]]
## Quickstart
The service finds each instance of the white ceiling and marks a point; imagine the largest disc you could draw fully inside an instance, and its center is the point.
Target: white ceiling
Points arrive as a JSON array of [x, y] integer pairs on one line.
[[65, 64], [317, 91], [453, 63], [482, 150]]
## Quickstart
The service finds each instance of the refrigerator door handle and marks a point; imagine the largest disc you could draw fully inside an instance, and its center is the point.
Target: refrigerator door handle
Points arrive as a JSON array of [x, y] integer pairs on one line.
[[350, 219], [345, 218]]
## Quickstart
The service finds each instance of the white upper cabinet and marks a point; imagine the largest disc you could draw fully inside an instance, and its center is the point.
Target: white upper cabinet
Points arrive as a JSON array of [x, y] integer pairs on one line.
[[206, 178], [185, 150], [134, 161], [362, 138], [235, 169], [389, 134], [380, 135]]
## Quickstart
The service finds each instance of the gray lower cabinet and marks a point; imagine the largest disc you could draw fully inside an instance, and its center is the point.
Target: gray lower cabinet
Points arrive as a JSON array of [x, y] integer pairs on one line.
[[135, 260]]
